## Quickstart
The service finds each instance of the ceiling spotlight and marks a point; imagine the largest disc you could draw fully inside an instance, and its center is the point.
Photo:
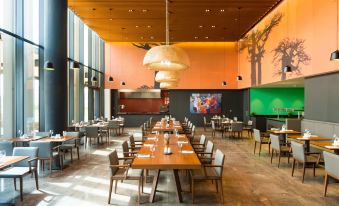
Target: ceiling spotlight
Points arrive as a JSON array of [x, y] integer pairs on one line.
[[136, 26], [196, 37], [144, 10], [206, 37], [207, 10], [122, 83], [223, 83], [213, 26], [130, 10], [200, 26], [222, 10], [335, 55], [239, 78], [149, 26]]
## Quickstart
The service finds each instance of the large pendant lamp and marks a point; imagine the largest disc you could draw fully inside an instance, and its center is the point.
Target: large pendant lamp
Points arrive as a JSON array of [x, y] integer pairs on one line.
[[166, 57], [168, 85], [335, 54], [167, 76]]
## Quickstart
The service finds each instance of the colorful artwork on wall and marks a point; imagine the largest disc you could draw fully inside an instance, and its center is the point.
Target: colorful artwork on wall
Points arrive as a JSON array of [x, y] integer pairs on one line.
[[205, 103]]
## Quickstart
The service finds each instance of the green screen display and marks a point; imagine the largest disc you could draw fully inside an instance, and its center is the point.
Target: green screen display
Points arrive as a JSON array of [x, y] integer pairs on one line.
[[263, 100]]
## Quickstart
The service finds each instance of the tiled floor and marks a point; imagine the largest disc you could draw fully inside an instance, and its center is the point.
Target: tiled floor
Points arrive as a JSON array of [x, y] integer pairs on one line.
[[248, 180]]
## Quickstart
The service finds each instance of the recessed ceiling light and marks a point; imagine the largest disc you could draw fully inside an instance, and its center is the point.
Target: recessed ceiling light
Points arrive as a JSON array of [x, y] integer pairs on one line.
[[207, 10], [222, 10], [152, 37], [149, 26], [196, 37], [206, 37], [136, 26], [200, 26], [213, 26], [130, 10], [110, 19], [141, 37], [144, 10]]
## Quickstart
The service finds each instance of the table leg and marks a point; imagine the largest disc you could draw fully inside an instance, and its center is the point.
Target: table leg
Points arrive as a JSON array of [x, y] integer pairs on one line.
[[154, 187], [177, 184], [307, 144]]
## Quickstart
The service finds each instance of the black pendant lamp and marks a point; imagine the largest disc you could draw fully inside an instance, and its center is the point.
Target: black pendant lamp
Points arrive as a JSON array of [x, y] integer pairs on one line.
[[122, 83], [94, 79], [287, 69], [49, 66], [223, 83], [335, 54], [239, 78], [75, 65], [110, 79]]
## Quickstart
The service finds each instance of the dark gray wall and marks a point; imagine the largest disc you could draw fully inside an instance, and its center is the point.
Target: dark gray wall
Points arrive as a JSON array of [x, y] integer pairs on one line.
[[322, 98], [180, 104]]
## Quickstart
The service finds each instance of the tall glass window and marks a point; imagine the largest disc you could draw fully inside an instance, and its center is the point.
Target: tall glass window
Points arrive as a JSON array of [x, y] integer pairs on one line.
[[7, 15], [31, 20]]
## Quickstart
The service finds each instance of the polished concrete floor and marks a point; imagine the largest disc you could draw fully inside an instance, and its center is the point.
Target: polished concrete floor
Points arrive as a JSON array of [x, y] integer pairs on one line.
[[248, 180]]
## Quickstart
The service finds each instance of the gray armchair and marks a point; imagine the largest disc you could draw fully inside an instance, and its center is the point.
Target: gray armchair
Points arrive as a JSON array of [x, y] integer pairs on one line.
[[206, 124], [236, 128], [123, 172], [206, 154], [113, 126], [258, 139], [91, 133], [69, 145], [279, 148], [23, 168], [201, 144], [48, 153], [7, 146], [307, 159], [331, 168], [210, 172]]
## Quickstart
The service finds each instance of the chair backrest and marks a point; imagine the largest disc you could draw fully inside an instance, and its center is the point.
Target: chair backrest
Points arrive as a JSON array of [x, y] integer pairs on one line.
[[236, 126], [202, 140], [32, 152], [209, 147], [131, 140], [92, 131], [219, 160], [275, 142], [73, 134], [45, 148], [42, 134], [205, 120], [249, 123], [298, 151], [7, 147], [113, 160], [213, 125], [125, 149], [256, 134], [113, 124], [331, 164]]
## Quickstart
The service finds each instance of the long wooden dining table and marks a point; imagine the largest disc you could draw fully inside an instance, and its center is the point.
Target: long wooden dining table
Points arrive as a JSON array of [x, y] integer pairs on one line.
[[161, 126], [9, 160], [180, 159]]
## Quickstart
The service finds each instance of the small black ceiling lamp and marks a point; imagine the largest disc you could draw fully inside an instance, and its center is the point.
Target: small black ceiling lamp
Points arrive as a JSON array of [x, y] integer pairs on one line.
[[122, 83], [49, 66], [75, 65], [239, 78], [287, 69], [110, 79], [335, 54], [94, 79], [223, 83]]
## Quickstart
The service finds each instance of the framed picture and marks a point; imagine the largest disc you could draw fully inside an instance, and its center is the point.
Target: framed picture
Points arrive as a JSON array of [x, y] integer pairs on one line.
[[205, 103]]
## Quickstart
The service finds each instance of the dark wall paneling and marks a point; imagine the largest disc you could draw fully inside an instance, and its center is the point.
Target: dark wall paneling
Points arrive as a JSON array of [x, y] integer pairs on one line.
[[322, 98], [232, 104], [246, 105]]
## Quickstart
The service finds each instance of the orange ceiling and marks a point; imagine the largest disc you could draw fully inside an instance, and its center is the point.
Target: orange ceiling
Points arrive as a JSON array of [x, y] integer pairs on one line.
[[190, 20]]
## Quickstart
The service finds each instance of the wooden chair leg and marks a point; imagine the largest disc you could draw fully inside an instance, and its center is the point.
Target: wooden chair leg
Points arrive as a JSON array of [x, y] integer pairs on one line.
[[293, 165], [325, 184], [36, 179], [216, 186], [71, 155], [222, 192], [110, 191], [50, 166], [314, 170], [115, 186], [259, 149], [304, 168], [21, 190], [279, 159], [272, 156], [78, 153], [14, 181], [139, 184], [255, 145], [192, 188]]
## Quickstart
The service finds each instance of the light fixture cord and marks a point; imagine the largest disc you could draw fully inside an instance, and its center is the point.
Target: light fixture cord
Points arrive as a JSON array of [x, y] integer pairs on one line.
[[337, 23], [167, 24], [238, 41], [110, 48]]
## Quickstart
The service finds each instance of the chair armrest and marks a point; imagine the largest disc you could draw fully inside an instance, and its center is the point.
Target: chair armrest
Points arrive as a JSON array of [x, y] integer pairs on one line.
[[211, 165], [126, 158], [30, 162], [206, 158], [204, 153], [119, 166]]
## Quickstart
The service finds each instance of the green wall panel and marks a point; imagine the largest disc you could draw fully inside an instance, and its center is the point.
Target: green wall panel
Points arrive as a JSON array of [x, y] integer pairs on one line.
[[263, 100]]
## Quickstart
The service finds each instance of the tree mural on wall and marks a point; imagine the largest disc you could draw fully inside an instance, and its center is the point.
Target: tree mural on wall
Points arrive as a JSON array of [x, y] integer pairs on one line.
[[255, 43], [290, 53]]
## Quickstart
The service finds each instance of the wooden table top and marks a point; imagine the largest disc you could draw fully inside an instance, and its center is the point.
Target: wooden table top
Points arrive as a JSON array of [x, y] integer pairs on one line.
[[61, 139], [324, 145], [9, 160], [21, 139], [176, 160], [312, 138], [161, 126], [284, 132]]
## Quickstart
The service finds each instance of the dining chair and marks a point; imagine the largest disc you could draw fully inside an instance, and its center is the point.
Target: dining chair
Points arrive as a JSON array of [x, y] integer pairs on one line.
[[205, 155], [48, 153], [206, 124], [331, 168], [122, 172], [258, 139], [279, 148], [200, 144], [299, 155], [113, 126], [191, 135], [128, 153], [23, 168], [71, 144], [135, 145], [210, 172], [7, 146], [91, 133], [236, 128], [122, 125], [249, 128]]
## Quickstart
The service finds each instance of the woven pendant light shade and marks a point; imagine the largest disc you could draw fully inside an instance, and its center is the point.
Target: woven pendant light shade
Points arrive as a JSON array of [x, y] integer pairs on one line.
[[167, 76], [166, 58], [168, 85]]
